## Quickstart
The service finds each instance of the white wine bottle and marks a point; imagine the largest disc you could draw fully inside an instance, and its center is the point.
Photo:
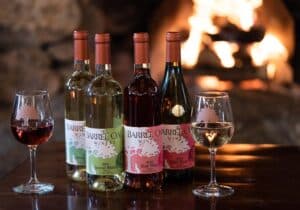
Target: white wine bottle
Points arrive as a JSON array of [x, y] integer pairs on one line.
[[104, 124], [74, 108]]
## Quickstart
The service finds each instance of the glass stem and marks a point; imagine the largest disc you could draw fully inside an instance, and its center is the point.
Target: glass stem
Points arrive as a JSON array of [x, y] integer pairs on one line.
[[33, 178], [35, 202], [213, 181]]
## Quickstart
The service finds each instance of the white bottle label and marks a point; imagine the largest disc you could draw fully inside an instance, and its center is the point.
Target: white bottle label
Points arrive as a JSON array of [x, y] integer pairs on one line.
[[143, 149], [75, 142]]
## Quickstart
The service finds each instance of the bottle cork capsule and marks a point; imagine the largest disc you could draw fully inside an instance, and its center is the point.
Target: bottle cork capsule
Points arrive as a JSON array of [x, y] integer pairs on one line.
[[173, 47], [173, 36], [102, 38], [102, 48], [80, 35], [141, 37], [80, 45], [141, 48]]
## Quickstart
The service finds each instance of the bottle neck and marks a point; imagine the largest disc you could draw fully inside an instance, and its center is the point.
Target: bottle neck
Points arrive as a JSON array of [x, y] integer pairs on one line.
[[82, 65], [103, 69], [142, 69], [141, 53], [173, 52], [80, 49], [173, 67], [173, 64]]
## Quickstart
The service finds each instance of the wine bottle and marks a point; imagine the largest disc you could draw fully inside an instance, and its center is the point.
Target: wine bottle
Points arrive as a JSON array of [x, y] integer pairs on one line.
[[74, 108], [142, 130], [104, 124], [178, 143]]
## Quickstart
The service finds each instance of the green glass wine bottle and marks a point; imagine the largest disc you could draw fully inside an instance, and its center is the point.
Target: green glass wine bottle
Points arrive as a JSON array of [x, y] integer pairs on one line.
[[74, 108], [178, 143], [104, 124]]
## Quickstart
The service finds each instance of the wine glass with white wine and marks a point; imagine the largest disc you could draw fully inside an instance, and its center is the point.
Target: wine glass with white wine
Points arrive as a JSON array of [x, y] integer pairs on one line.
[[212, 127]]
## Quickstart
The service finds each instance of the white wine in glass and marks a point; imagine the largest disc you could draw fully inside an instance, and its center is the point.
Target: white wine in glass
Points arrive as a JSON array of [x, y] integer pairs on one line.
[[212, 127]]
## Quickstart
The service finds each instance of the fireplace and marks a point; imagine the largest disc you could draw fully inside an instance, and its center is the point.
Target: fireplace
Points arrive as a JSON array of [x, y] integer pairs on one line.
[[228, 43]]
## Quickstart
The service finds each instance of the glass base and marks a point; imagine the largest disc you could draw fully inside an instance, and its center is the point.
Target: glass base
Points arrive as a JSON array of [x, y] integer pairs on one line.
[[208, 191], [36, 188], [106, 182]]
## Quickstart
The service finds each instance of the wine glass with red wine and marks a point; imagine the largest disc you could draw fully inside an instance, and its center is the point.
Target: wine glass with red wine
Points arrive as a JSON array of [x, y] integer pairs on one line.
[[212, 126], [32, 124]]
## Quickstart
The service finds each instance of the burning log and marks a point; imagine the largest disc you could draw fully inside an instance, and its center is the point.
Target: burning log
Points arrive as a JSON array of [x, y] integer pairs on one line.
[[232, 33], [231, 74]]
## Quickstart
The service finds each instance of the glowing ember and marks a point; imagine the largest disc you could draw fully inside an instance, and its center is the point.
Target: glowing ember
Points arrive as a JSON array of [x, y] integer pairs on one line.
[[213, 83], [254, 84]]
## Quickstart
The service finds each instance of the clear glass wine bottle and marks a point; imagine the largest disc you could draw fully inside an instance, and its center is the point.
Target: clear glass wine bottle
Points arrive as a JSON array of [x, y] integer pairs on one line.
[[74, 108], [104, 124]]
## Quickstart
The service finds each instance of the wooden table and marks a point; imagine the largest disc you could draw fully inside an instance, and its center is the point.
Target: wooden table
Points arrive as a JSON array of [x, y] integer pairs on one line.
[[263, 176]]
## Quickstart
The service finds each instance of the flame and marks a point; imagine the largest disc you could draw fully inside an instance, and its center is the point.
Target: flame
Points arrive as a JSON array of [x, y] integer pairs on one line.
[[270, 48], [224, 51], [238, 12], [271, 70]]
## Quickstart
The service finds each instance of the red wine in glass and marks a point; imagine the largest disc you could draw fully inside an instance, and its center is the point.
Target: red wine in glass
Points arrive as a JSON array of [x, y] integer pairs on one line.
[[36, 133], [32, 124]]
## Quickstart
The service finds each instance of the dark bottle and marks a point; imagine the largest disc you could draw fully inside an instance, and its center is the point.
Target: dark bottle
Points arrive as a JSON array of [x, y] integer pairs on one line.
[[142, 130], [74, 108], [179, 149]]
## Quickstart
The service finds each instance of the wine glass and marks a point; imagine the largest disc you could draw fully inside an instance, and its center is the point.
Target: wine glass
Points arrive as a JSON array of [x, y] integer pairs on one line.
[[32, 124], [212, 126]]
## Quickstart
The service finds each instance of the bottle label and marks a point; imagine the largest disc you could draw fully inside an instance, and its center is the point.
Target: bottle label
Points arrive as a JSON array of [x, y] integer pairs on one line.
[[143, 149], [75, 142], [104, 149], [179, 146]]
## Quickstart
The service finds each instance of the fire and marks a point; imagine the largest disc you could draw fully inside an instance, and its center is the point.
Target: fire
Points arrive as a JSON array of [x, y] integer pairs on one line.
[[238, 12], [271, 70], [224, 51], [269, 49]]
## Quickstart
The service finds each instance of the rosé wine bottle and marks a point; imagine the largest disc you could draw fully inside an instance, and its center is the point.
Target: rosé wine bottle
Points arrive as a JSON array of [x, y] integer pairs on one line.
[[142, 129]]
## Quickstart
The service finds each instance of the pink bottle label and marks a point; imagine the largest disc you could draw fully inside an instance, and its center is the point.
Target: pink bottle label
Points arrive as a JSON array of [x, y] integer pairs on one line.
[[143, 149], [179, 146]]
